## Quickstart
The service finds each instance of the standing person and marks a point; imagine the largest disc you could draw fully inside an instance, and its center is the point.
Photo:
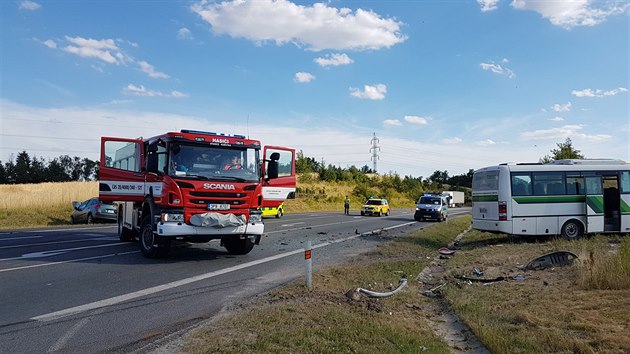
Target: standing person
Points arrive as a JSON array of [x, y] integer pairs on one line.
[[346, 206]]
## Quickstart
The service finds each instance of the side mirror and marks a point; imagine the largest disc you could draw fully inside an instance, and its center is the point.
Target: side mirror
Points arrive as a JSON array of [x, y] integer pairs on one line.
[[75, 205], [275, 156], [153, 147]]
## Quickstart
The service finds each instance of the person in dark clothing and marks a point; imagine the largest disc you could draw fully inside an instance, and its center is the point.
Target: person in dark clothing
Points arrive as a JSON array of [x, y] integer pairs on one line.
[[346, 206]]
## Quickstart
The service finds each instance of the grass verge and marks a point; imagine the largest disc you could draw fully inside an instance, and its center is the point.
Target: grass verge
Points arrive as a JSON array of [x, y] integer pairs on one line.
[[582, 308], [293, 319]]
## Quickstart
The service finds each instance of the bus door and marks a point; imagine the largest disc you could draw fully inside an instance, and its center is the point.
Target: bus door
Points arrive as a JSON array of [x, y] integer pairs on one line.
[[612, 204], [594, 204], [277, 190]]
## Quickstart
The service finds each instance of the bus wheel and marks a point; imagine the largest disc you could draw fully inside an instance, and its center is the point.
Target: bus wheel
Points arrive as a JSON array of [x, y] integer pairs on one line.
[[572, 230], [235, 245], [152, 245]]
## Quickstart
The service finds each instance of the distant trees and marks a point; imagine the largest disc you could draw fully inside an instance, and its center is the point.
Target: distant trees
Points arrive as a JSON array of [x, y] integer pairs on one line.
[[564, 151], [36, 170]]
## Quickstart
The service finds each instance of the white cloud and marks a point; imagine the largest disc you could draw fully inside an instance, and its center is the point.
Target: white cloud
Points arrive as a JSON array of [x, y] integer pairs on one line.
[[184, 33], [498, 69], [486, 142], [334, 59], [317, 27], [488, 5], [105, 49], [575, 13], [557, 119], [567, 131], [452, 141], [134, 90], [29, 5], [598, 93], [150, 70], [375, 93], [50, 44], [303, 77], [561, 107], [392, 123], [416, 120]]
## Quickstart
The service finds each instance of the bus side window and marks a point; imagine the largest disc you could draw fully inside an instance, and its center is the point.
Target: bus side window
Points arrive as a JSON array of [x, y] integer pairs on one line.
[[575, 185], [539, 188], [625, 182]]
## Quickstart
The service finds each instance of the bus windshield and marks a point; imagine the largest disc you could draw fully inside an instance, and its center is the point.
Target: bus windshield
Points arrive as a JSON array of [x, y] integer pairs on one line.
[[214, 163]]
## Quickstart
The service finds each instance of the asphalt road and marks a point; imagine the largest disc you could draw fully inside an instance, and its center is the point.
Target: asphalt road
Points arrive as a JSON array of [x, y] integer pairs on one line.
[[80, 290]]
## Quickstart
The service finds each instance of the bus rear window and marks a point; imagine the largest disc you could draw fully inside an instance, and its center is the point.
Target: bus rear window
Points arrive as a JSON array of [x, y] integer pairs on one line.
[[486, 181]]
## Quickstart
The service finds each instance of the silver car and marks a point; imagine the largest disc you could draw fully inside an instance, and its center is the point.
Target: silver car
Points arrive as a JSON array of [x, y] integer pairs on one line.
[[91, 211]]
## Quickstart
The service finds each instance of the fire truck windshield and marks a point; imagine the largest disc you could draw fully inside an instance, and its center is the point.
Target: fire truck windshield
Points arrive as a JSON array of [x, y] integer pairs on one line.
[[214, 163]]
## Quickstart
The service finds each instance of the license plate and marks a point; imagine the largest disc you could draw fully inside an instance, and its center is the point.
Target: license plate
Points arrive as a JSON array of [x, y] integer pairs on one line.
[[110, 211], [218, 206]]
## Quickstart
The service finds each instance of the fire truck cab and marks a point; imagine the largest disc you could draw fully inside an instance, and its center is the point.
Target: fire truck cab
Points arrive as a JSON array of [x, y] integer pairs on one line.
[[193, 186]]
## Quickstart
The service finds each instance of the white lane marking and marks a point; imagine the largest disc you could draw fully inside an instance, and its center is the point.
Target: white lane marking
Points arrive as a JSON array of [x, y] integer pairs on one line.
[[56, 252], [68, 261], [18, 238], [149, 291], [61, 342], [99, 238], [55, 230], [293, 224]]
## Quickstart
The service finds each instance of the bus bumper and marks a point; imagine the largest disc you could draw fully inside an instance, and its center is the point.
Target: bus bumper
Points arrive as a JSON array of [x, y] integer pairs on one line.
[[492, 225]]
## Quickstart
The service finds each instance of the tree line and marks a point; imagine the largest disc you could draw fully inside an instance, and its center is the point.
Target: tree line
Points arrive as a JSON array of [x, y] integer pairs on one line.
[[27, 169]]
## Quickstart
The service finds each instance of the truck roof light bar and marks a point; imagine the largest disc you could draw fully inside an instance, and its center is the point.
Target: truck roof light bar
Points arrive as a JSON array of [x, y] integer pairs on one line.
[[189, 131]]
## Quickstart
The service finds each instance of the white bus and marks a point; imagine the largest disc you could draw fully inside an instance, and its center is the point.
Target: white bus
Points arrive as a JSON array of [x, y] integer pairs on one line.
[[566, 197]]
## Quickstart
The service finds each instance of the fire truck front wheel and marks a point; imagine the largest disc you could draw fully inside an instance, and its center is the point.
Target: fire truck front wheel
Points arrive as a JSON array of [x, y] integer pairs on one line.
[[236, 245], [152, 245]]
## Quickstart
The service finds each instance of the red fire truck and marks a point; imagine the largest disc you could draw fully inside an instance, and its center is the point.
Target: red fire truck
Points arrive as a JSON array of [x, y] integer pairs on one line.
[[193, 186]]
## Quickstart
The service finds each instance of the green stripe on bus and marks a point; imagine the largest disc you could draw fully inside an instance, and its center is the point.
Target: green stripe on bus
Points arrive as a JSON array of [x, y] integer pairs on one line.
[[625, 208], [485, 198], [550, 199], [595, 202]]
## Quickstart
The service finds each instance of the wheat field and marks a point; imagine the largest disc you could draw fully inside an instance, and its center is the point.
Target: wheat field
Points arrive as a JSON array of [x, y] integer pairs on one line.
[[21, 196]]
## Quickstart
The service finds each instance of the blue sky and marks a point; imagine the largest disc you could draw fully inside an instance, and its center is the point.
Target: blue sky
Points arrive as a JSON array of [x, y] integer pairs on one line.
[[444, 85]]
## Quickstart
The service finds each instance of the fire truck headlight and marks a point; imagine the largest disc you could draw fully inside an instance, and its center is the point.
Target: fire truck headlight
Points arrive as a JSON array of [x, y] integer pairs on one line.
[[255, 216], [172, 217]]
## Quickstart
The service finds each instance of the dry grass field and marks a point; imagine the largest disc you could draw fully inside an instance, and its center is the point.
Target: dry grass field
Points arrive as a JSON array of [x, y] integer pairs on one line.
[[42, 204]]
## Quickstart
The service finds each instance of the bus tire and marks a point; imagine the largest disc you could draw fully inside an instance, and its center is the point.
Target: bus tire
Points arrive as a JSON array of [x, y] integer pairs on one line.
[[152, 245], [572, 230], [235, 245]]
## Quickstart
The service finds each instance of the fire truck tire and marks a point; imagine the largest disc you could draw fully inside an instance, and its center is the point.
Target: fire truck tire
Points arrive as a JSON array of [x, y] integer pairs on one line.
[[238, 246], [124, 234], [152, 245]]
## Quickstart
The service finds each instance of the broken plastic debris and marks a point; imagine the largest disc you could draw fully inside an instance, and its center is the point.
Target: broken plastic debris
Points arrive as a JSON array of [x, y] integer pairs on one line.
[[446, 251], [559, 258]]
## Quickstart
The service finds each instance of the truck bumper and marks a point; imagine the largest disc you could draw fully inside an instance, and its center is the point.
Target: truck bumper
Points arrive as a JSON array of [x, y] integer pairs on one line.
[[181, 229]]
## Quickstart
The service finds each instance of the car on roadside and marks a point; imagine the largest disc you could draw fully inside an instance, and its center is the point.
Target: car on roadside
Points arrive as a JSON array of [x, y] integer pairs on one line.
[[91, 211], [431, 206], [375, 206]]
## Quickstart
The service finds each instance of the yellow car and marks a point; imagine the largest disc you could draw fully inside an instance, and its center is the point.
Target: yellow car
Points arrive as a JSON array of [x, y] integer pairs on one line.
[[375, 206]]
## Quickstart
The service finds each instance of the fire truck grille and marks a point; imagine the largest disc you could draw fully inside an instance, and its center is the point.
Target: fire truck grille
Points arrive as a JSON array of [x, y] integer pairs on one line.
[[215, 201], [217, 195]]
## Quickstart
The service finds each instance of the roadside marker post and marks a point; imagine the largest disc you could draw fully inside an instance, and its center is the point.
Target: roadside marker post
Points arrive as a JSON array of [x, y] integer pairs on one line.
[[309, 265]]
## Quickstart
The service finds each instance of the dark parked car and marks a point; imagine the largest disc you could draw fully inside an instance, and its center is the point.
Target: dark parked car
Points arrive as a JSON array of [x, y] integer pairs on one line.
[[91, 211]]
